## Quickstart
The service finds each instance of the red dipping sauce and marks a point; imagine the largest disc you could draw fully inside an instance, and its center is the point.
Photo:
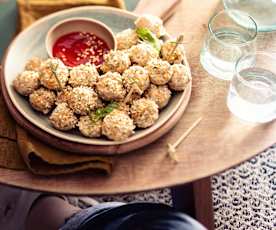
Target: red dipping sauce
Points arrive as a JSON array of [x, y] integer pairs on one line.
[[79, 48]]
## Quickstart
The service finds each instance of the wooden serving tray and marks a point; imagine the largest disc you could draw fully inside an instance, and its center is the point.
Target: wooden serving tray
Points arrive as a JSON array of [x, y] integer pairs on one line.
[[96, 149]]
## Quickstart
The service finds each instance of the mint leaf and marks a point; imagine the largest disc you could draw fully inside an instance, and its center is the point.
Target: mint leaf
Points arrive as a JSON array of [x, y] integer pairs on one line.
[[102, 112], [147, 36]]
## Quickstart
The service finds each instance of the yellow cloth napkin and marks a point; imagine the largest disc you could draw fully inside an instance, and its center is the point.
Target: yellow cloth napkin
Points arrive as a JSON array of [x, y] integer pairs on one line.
[[19, 150], [31, 10], [44, 160]]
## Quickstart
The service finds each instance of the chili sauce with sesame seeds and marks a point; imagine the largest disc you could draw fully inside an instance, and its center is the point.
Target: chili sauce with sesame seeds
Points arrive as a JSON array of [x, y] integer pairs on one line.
[[78, 48]]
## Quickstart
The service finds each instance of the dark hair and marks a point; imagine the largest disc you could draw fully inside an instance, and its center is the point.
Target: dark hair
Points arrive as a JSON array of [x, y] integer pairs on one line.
[[160, 220]]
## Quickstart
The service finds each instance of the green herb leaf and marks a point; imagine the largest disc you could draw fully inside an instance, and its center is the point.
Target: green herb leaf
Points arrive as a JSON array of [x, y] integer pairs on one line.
[[100, 113], [147, 36], [108, 110], [133, 80]]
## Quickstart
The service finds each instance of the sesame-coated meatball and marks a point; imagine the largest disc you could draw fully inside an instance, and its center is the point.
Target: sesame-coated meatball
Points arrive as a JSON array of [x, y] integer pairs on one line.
[[159, 94], [136, 77], [83, 75], [110, 86], [26, 82], [142, 53], [63, 118], [54, 74], [33, 64], [144, 112], [64, 95], [171, 53], [159, 71], [122, 107], [118, 126], [180, 77], [42, 100], [82, 99], [133, 97], [100, 103], [153, 23], [126, 39], [116, 61], [90, 128]]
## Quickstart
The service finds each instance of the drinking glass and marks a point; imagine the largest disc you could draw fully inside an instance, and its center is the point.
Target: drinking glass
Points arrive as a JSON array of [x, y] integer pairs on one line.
[[252, 92], [263, 11], [226, 41]]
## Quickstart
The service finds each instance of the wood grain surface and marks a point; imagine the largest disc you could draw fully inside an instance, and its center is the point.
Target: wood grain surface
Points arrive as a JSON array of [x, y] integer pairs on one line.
[[219, 142], [162, 9]]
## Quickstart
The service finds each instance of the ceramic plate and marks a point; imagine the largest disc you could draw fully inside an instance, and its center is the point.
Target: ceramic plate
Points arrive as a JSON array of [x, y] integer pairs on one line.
[[30, 43]]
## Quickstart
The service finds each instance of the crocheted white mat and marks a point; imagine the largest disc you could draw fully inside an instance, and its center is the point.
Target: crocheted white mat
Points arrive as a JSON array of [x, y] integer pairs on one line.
[[245, 197]]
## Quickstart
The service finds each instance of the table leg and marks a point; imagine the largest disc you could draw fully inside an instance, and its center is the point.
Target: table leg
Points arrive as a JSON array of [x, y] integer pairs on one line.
[[195, 199]]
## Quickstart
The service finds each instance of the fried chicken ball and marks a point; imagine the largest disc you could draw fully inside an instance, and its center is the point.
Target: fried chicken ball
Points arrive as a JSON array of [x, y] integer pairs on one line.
[[136, 77], [90, 128], [172, 54], [83, 75], [116, 61], [142, 53], [63, 96], [42, 100], [126, 39], [153, 23], [144, 112], [26, 82], [83, 99], [54, 74], [122, 107], [159, 94], [118, 126], [180, 77], [110, 86], [133, 97], [159, 71], [33, 64], [63, 118]]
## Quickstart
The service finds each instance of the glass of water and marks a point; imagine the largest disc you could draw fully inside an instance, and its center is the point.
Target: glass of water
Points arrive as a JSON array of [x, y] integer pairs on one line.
[[252, 93], [231, 34]]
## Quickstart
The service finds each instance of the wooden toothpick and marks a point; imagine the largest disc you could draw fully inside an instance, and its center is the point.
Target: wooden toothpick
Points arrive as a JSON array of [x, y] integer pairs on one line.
[[172, 147], [179, 40], [129, 95], [131, 91]]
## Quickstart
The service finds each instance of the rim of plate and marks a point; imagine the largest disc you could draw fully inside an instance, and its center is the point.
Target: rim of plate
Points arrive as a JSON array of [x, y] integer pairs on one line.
[[63, 135]]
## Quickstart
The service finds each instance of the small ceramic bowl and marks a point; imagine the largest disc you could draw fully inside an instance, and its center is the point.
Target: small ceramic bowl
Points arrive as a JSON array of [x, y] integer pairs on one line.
[[79, 24]]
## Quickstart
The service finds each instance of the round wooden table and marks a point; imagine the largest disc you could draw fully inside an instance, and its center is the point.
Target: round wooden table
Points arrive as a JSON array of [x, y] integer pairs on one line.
[[219, 142]]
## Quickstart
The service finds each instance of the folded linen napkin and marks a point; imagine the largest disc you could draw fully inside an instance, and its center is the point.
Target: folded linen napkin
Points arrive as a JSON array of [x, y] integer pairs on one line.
[[21, 151], [31, 10]]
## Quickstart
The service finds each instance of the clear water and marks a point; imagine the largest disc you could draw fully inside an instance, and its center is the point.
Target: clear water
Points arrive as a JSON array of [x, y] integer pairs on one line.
[[220, 52], [263, 11], [254, 99]]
